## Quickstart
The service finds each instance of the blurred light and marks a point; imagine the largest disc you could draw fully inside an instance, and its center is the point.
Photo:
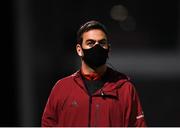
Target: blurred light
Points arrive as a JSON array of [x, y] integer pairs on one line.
[[119, 13], [164, 65]]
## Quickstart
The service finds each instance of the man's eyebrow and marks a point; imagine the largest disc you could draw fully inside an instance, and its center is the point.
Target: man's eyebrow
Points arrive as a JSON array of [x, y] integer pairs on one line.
[[103, 39], [90, 40], [96, 40]]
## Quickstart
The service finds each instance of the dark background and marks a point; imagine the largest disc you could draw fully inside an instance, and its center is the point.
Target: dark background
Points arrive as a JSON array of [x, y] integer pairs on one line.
[[39, 49]]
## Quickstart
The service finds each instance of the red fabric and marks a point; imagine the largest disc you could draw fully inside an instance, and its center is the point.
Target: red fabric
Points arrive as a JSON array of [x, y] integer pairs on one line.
[[116, 104], [91, 76]]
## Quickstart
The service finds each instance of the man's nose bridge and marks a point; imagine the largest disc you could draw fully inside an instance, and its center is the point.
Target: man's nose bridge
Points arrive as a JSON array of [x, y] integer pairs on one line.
[[97, 42]]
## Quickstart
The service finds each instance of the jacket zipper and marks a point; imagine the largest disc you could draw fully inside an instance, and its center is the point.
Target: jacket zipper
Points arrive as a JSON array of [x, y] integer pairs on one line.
[[96, 115], [90, 106]]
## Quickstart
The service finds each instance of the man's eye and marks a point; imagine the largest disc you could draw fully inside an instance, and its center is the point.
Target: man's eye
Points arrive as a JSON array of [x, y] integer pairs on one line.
[[103, 42], [91, 43]]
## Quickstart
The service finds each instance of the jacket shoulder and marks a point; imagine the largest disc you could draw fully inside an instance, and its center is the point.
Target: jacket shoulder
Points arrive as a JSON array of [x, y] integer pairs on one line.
[[66, 79], [117, 76], [65, 82]]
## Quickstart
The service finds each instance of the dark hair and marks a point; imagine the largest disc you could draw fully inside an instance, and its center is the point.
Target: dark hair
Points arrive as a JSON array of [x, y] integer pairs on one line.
[[89, 26]]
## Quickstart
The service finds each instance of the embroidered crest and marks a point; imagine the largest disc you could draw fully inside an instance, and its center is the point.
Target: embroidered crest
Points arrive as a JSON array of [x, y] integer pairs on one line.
[[74, 103]]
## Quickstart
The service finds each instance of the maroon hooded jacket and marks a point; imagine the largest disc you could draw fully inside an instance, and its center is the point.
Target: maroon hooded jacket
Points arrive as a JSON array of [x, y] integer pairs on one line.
[[115, 104]]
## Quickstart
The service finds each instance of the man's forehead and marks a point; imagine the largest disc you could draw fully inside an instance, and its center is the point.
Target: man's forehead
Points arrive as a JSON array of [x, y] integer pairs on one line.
[[95, 34]]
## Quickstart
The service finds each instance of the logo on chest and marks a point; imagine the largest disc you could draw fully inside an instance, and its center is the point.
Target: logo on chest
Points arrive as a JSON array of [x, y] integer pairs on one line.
[[74, 103]]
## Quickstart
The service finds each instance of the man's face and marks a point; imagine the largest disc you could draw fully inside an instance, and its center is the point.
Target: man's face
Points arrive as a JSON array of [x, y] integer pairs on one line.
[[93, 37]]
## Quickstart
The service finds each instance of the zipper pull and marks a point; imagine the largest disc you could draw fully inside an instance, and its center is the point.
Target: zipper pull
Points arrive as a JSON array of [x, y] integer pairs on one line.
[[102, 93]]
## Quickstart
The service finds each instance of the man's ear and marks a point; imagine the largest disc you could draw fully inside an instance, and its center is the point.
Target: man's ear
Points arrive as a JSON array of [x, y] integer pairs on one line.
[[79, 50]]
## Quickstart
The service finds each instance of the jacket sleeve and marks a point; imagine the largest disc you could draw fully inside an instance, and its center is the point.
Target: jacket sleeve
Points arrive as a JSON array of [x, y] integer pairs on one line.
[[49, 117], [136, 116]]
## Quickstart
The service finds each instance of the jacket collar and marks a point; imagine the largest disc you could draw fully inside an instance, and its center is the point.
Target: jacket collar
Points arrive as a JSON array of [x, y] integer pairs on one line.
[[115, 81], [78, 79]]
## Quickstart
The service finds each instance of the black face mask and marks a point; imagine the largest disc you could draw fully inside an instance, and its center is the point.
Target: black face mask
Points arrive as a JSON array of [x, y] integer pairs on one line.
[[95, 56]]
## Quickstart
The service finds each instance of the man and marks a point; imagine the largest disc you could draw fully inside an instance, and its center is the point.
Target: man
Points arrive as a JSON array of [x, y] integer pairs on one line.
[[96, 95]]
